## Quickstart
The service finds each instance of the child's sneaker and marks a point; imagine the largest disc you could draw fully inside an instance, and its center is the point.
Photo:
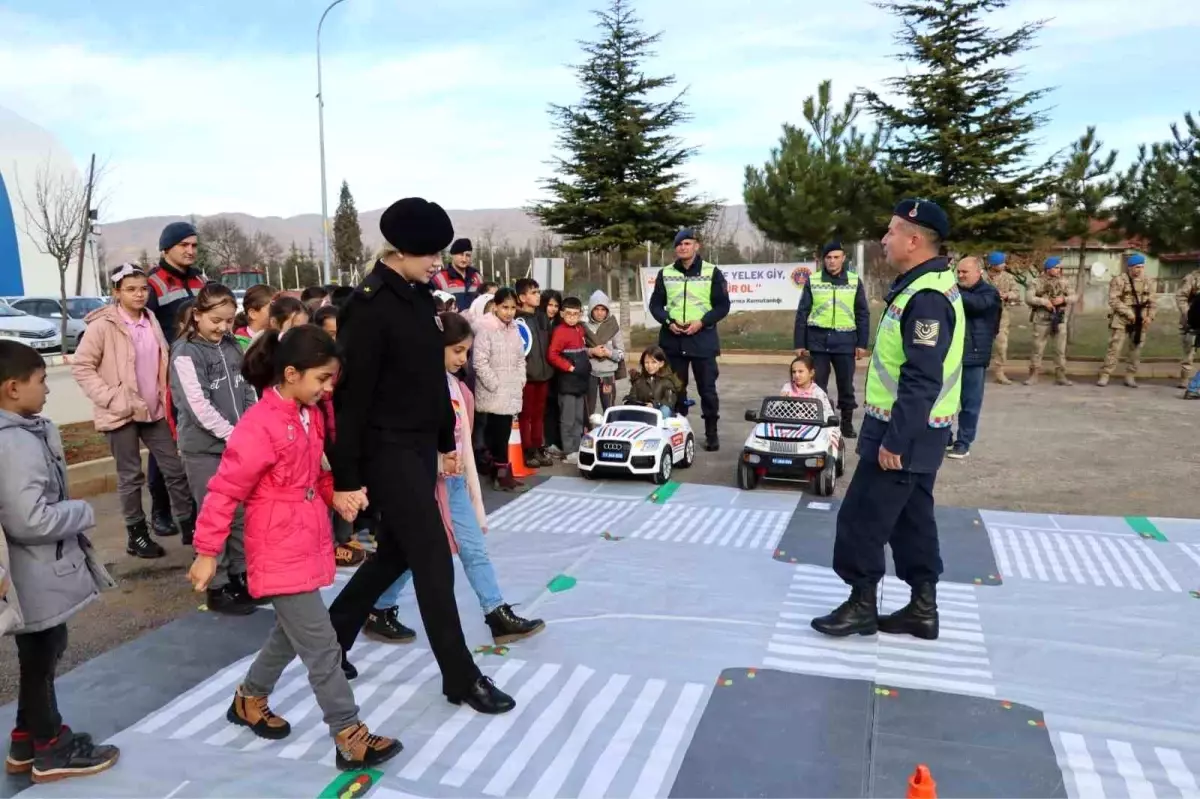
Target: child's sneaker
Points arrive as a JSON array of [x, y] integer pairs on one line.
[[384, 625], [72, 754], [572, 459], [139, 543], [348, 557], [20, 753], [254, 712], [357, 748]]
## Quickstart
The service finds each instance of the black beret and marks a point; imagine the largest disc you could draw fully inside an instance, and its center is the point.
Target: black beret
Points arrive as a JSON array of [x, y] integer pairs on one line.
[[926, 214], [416, 226], [460, 246], [833, 246]]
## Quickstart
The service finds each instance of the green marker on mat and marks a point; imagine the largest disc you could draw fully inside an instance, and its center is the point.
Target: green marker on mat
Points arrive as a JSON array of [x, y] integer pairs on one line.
[[1145, 528], [560, 583], [661, 495]]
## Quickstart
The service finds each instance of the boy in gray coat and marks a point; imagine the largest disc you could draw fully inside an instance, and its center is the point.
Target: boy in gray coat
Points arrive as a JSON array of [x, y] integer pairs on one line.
[[52, 572]]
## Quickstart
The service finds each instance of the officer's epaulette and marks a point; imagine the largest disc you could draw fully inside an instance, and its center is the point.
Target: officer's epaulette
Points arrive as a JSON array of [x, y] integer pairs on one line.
[[370, 286]]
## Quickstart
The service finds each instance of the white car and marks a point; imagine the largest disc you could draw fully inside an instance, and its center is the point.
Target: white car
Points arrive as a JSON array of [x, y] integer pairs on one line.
[[791, 441], [19, 326], [632, 439]]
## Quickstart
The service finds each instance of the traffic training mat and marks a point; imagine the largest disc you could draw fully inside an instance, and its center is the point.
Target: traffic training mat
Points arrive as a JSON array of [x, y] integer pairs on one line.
[[678, 661]]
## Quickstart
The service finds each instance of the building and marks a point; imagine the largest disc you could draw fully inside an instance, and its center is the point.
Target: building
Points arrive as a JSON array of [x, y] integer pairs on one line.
[[25, 149], [1108, 251]]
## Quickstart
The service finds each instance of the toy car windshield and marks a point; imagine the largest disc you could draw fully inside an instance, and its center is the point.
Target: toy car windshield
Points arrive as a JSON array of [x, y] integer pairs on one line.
[[637, 415], [791, 410]]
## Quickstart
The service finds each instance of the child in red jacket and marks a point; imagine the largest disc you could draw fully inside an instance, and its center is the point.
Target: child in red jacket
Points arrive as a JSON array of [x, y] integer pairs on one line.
[[272, 466]]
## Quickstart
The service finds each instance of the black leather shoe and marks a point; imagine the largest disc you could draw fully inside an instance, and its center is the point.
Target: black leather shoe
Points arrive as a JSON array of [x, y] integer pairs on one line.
[[856, 615], [848, 424], [484, 697], [162, 524], [919, 618], [348, 668]]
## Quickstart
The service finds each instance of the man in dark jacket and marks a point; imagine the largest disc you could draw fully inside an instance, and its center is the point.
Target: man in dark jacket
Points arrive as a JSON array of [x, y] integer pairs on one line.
[[982, 304], [690, 297], [834, 327], [460, 280]]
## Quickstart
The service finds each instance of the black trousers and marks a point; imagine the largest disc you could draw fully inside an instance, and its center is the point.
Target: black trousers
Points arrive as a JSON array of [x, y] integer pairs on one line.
[[706, 372], [843, 367], [38, 655], [160, 498], [887, 508], [401, 480], [497, 429]]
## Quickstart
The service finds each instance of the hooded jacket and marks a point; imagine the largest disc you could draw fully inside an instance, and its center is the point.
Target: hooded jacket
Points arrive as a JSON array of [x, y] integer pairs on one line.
[[499, 360], [209, 392], [606, 333], [50, 565], [103, 366]]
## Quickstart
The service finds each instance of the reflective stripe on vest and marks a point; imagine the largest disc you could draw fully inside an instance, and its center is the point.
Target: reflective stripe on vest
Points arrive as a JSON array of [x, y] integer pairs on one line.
[[883, 373], [688, 298], [166, 295], [829, 310]]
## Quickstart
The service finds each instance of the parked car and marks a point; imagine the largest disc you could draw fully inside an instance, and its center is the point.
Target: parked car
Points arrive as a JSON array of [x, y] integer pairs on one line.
[[50, 309], [40, 334]]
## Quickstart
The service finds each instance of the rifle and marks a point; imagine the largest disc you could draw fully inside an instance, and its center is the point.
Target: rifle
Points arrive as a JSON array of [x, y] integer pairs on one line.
[[1136, 328], [1056, 319]]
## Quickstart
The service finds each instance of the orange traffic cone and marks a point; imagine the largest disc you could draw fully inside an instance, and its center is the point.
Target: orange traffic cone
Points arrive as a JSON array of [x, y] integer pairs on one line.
[[921, 784], [516, 455]]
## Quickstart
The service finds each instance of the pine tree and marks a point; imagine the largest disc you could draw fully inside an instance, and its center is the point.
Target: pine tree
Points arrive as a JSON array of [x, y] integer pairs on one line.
[[347, 235], [822, 182], [618, 184], [961, 134], [1161, 191], [1084, 189]]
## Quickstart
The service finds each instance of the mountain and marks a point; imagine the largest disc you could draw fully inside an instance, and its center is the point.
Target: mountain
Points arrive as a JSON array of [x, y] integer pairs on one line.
[[124, 241]]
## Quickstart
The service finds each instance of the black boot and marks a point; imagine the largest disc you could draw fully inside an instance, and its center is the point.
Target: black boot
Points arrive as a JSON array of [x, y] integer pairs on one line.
[[484, 697], [384, 625], [848, 423], [507, 626], [918, 618], [188, 527], [162, 523], [856, 615], [140, 544], [348, 667], [239, 582], [712, 441], [228, 600]]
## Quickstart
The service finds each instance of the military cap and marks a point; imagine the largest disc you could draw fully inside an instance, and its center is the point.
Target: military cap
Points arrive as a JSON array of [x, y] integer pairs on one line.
[[833, 246], [416, 226], [995, 258], [460, 246], [1135, 259], [1052, 262], [924, 213], [684, 235]]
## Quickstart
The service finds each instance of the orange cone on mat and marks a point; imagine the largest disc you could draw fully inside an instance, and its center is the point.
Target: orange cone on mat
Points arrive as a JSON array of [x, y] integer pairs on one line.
[[516, 455], [921, 784]]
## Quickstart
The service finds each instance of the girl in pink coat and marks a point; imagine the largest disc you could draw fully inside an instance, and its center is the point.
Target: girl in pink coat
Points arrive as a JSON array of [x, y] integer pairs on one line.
[[499, 361], [461, 503], [272, 466]]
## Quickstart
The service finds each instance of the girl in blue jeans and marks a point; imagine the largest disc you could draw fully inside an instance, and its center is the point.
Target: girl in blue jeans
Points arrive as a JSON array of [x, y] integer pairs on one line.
[[461, 502]]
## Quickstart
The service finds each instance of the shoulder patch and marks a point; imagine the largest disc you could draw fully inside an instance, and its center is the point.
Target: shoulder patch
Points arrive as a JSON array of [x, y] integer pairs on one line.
[[926, 332]]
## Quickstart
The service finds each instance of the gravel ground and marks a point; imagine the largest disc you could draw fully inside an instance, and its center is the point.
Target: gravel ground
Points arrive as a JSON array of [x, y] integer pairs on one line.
[[1083, 450]]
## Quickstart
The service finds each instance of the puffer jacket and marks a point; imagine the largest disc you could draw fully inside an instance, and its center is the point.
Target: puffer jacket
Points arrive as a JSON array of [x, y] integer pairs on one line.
[[10, 608], [50, 560], [209, 391], [103, 366], [982, 306], [499, 360], [658, 389], [273, 467]]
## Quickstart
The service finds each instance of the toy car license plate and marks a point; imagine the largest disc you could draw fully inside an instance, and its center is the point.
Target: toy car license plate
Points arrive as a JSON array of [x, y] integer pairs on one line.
[[612, 456], [782, 461]]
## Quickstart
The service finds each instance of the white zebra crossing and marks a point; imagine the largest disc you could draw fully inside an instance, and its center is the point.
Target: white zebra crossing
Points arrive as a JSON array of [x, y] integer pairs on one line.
[[738, 528], [541, 511], [1083, 559], [572, 732], [1100, 767], [956, 662]]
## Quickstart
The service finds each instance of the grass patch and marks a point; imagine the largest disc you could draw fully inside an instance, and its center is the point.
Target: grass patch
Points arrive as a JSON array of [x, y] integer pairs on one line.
[[82, 443], [771, 331]]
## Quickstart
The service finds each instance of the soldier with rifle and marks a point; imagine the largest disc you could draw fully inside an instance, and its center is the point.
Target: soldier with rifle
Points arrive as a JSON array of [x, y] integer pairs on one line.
[[1187, 300], [1131, 310], [1049, 300], [1010, 296]]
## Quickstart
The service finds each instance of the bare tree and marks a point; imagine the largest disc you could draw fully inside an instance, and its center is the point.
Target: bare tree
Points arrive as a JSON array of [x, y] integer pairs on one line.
[[227, 242], [55, 221]]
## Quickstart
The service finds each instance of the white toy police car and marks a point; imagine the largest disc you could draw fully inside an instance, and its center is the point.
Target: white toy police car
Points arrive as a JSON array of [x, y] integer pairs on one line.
[[791, 441], [638, 440]]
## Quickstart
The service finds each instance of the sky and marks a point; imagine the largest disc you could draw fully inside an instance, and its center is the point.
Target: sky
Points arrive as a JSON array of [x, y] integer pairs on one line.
[[209, 106]]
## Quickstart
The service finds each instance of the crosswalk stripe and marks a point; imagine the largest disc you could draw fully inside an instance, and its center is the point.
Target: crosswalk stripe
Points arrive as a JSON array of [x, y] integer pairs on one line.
[[1177, 772], [497, 726], [1187, 550], [215, 685], [1002, 561], [1115, 554], [228, 732], [924, 681], [1035, 557], [1093, 572], [661, 754], [1130, 770], [1135, 557], [1064, 557], [1018, 555], [820, 667], [1047, 544], [550, 783], [1079, 761], [609, 763], [1161, 568], [1069, 560]]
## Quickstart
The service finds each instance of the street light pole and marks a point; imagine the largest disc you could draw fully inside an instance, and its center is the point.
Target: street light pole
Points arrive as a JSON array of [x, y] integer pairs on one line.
[[321, 133]]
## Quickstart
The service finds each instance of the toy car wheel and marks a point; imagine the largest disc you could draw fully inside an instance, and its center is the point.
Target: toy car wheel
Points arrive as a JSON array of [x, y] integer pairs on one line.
[[665, 466], [824, 482], [839, 465], [746, 477], [689, 452]]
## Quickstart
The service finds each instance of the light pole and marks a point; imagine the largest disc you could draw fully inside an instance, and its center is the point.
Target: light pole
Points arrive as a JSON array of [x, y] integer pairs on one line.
[[321, 133]]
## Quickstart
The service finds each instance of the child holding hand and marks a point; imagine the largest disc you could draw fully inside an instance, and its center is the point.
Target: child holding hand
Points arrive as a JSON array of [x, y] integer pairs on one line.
[[272, 466]]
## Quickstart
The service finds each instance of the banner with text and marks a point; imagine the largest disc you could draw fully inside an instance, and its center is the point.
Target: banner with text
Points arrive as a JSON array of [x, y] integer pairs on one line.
[[752, 287]]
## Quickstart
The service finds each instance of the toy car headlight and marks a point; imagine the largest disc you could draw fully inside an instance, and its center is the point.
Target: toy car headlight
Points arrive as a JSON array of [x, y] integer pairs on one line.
[[647, 444], [759, 443], [587, 442]]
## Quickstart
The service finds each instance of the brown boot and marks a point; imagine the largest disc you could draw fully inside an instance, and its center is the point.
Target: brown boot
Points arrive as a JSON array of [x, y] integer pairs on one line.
[[1060, 377], [1102, 380], [253, 712], [358, 749], [1032, 379], [1002, 378], [504, 480], [347, 556], [1131, 381]]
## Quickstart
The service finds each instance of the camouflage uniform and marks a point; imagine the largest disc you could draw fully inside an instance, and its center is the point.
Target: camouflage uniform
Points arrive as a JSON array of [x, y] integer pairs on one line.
[[1189, 289], [1124, 292], [1010, 294], [1045, 289]]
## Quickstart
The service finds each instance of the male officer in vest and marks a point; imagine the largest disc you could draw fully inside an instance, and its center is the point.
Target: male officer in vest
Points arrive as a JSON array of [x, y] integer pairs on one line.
[[689, 299], [912, 392], [833, 323]]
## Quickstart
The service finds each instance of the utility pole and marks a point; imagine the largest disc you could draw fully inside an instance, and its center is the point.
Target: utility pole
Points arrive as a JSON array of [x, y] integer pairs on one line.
[[87, 229], [321, 134]]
